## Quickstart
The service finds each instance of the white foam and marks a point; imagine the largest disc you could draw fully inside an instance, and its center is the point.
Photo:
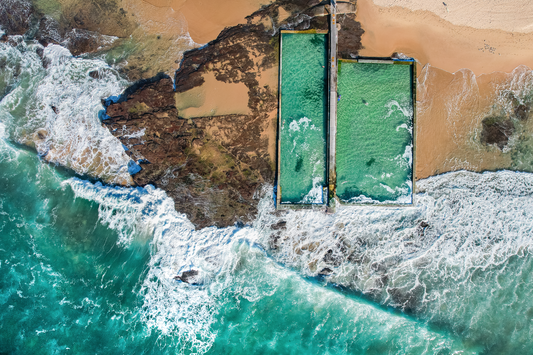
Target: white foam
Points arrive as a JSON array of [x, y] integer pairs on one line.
[[176, 309], [406, 109], [316, 194], [304, 123], [56, 109], [474, 221]]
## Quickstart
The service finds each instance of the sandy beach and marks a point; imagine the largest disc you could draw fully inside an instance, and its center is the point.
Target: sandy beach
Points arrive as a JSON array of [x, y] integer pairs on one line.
[[428, 38]]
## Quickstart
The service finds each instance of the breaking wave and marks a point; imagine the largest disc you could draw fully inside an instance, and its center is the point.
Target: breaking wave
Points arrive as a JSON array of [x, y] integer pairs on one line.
[[50, 102], [456, 261]]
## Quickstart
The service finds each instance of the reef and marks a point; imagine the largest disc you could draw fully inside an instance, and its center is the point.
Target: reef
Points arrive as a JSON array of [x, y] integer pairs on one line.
[[81, 29], [214, 166]]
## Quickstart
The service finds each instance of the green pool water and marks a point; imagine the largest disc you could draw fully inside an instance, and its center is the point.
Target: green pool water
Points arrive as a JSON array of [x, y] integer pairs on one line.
[[374, 133], [303, 115]]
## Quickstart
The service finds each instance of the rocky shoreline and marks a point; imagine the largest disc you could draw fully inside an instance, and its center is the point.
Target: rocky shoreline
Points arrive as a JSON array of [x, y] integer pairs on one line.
[[206, 132], [214, 166]]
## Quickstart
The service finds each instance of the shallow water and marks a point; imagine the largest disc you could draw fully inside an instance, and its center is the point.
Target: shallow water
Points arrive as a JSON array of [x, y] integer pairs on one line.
[[374, 133], [303, 117], [51, 103]]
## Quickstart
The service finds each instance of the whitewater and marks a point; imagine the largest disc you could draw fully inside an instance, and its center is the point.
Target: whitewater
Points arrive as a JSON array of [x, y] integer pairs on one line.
[[89, 268]]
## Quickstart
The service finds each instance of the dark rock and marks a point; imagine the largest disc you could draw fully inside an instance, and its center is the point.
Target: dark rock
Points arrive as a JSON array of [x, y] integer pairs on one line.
[[85, 26], [496, 130], [421, 228], [50, 31], [349, 36], [409, 300], [382, 281], [522, 112], [80, 41], [77, 41], [190, 277], [96, 74], [280, 225], [325, 272], [333, 258], [273, 241], [16, 16]]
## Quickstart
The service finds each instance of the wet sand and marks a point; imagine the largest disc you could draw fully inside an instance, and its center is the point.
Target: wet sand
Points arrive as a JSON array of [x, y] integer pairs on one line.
[[202, 19], [213, 98]]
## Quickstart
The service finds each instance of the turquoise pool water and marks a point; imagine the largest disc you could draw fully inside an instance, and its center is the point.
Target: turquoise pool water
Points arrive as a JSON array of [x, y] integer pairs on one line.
[[374, 133], [303, 114]]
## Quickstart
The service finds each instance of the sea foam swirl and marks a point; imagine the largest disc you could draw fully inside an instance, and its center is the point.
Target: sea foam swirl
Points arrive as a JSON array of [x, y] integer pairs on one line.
[[52, 104]]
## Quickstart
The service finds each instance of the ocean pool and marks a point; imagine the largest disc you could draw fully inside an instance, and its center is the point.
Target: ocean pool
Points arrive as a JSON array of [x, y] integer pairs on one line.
[[374, 148], [303, 118]]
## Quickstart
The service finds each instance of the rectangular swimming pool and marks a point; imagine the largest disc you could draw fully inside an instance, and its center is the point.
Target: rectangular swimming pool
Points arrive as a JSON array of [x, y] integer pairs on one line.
[[375, 119], [303, 119]]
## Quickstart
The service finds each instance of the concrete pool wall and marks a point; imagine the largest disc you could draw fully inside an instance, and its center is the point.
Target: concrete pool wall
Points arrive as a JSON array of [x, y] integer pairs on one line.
[[373, 150]]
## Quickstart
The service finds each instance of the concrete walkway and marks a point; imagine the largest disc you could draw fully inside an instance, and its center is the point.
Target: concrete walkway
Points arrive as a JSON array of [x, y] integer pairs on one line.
[[332, 95]]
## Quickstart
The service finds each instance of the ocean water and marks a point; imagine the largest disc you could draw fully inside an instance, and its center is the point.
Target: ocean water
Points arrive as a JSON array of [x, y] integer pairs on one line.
[[303, 111], [374, 133], [87, 268]]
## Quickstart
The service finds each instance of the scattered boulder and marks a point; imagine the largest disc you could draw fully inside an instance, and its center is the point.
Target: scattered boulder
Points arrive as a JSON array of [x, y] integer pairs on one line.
[[190, 277], [325, 272], [279, 225], [522, 112]]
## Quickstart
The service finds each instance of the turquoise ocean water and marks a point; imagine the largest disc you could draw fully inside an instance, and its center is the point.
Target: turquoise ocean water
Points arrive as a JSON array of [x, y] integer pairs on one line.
[[87, 268]]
